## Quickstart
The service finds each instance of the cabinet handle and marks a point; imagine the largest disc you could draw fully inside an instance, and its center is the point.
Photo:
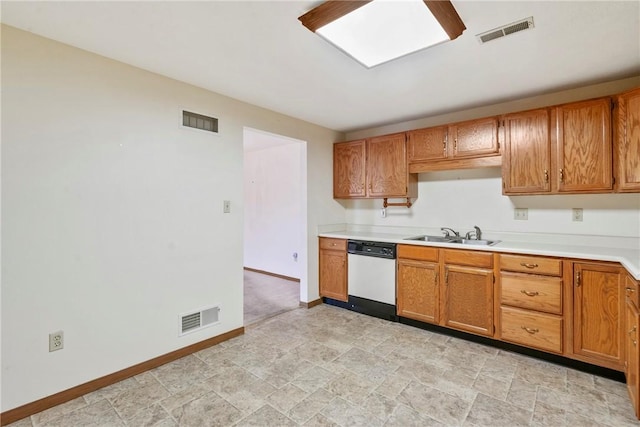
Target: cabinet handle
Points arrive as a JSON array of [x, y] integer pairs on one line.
[[531, 330], [527, 265], [529, 293], [561, 175], [578, 279], [444, 147], [546, 175], [446, 276], [455, 145], [632, 330], [634, 342], [630, 289]]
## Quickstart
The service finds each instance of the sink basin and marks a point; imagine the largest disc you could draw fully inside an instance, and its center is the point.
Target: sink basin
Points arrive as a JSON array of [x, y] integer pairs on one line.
[[477, 242], [458, 240], [438, 239]]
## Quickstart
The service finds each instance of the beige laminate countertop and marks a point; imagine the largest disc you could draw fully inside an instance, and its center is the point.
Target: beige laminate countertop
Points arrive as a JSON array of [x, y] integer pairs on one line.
[[629, 258]]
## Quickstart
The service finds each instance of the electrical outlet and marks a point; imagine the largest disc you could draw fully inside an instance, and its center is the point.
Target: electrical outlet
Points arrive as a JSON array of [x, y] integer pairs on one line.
[[56, 341], [226, 206], [521, 214], [577, 214]]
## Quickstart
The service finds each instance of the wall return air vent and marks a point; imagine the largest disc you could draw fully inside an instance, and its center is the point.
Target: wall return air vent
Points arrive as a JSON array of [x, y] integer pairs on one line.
[[198, 121], [200, 319], [505, 30]]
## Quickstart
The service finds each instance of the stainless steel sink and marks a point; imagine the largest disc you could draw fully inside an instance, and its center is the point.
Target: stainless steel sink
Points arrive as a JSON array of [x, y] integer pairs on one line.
[[477, 242], [438, 239], [452, 239]]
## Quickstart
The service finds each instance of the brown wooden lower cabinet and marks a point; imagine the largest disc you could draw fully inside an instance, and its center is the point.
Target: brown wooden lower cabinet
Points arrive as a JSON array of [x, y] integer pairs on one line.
[[333, 268], [417, 290], [468, 299], [632, 362], [598, 314]]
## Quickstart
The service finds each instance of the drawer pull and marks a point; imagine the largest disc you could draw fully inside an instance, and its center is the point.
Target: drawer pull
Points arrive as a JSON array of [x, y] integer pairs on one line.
[[630, 290], [528, 265], [529, 293], [531, 330]]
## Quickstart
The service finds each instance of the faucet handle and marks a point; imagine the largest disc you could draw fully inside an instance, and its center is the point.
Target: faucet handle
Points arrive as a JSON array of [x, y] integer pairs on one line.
[[446, 230]]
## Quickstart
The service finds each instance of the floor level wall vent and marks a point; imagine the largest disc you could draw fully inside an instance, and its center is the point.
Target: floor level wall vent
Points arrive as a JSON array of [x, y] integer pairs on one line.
[[199, 319]]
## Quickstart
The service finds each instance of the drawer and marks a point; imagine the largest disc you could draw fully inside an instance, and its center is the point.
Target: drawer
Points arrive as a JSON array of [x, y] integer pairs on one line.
[[335, 244], [532, 329], [631, 290], [532, 292], [422, 253], [472, 258], [531, 264]]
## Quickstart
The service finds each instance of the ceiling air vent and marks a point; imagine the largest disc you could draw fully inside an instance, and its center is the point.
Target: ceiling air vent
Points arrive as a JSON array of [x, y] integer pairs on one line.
[[506, 30], [198, 320]]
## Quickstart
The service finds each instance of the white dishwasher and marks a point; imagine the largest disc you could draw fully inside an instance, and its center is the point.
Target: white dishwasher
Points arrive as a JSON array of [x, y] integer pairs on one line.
[[372, 271]]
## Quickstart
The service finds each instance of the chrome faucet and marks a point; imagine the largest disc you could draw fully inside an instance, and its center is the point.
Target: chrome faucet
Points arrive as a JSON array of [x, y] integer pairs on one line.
[[476, 235], [446, 230]]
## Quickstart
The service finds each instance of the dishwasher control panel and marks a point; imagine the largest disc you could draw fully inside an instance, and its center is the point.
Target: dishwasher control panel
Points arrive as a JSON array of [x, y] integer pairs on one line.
[[375, 249]]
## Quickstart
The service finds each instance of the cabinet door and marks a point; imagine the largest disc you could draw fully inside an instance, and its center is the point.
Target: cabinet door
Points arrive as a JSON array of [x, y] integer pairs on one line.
[[349, 169], [474, 138], [387, 169], [632, 360], [333, 274], [468, 299], [417, 290], [584, 146], [598, 318], [427, 144], [526, 155], [628, 141]]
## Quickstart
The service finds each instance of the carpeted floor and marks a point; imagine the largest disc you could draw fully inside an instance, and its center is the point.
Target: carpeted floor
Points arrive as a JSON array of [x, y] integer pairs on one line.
[[265, 296]]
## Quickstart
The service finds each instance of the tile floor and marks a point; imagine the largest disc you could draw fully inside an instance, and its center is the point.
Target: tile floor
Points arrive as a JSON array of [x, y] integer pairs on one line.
[[265, 296], [327, 366]]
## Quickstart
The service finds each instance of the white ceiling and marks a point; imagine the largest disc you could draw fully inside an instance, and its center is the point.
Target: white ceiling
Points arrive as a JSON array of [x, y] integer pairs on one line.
[[259, 52]]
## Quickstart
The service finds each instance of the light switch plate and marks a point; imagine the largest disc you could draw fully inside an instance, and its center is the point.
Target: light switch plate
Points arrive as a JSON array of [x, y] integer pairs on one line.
[[226, 206]]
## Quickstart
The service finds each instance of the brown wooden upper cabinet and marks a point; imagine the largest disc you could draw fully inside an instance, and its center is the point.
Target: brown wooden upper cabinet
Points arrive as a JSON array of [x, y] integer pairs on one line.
[[349, 169], [526, 154], [583, 146], [563, 149], [372, 168], [474, 138], [627, 142]]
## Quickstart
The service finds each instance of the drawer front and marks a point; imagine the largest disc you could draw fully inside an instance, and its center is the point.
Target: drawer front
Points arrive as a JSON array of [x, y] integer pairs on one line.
[[531, 264], [422, 253], [472, 258], [532, 329], [631, 290], [335, 244], [531, 292]]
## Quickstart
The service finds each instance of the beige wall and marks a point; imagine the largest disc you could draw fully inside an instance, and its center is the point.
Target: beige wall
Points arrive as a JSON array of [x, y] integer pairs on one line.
[[112, 222]]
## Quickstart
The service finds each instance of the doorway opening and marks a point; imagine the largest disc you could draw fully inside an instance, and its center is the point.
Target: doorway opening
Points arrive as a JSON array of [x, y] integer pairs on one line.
[[275, 223]]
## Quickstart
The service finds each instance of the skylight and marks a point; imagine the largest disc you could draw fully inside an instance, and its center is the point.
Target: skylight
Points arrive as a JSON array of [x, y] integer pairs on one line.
[[379, 31]]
